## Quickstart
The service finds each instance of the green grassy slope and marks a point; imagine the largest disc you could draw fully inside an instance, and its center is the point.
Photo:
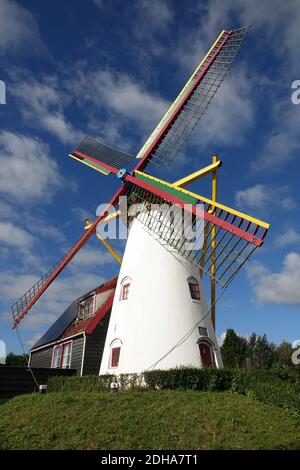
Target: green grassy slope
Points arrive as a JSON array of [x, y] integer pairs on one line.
[[144, 420]]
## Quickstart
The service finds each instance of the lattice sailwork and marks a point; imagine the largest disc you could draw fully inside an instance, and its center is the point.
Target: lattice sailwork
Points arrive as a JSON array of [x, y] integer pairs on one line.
[[174, 129], [228, 237], [235, 236], [100, 156]]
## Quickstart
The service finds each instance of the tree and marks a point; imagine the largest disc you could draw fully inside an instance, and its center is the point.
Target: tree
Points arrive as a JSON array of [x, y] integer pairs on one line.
[[261, 352], [234, 349], [16, 360], [284, 354]]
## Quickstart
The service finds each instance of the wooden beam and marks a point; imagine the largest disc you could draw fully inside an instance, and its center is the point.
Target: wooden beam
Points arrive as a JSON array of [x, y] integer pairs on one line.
[[213, 247], [110, 249], [198, 174]]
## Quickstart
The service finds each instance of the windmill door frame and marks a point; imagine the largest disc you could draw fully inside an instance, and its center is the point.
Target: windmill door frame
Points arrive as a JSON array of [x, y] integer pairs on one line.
[[206, 352]]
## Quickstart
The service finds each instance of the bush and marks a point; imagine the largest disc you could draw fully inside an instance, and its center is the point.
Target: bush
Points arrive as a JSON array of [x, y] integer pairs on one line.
[[184, 378], [274, 387], [87, 383], [269, 387], [180, 378]]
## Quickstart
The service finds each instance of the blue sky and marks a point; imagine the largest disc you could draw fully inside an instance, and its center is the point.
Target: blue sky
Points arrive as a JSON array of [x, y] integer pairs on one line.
[[109, 69]]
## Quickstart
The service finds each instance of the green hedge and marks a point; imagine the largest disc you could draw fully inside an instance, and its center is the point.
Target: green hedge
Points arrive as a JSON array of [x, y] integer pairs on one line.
[[92, 383], [180, 378], [87, 383], [184, 378], [268, 386], [285, 397]]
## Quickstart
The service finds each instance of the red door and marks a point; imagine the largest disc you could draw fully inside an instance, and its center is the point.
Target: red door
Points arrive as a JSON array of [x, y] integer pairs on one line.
[[206, 354]]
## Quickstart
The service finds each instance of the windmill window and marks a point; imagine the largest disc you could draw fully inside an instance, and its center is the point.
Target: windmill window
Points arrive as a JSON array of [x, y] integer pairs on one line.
[[86, 307], [115, 356], [61, 357], [202, 331], [125, 291], [194, 288]]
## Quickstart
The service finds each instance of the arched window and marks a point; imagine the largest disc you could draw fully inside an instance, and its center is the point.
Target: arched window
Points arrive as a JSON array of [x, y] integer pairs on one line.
[[125, 287], [115, 350], [194, 288]]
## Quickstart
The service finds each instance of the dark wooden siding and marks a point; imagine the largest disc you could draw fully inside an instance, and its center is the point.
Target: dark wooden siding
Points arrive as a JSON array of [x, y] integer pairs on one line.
[[94, 347], [42, 357], [18, 380], [77, 351]]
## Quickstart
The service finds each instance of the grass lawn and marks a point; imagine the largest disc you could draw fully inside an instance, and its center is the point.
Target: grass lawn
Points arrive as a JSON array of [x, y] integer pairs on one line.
[[145, 420]]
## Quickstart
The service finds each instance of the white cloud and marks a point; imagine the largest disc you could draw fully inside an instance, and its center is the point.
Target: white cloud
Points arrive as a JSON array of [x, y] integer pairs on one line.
[[276, 26], [262, 197], [92, 257], [42, 104], [82, 214], [118, 94], [27, 173], [14, 236], [19, 31], [98, 3], [53, 302], [289, 237], [282, 144], [234, 95], [31, 341], [13, 285], [221, 338], [279, 287], [278, 20], [153, 18]]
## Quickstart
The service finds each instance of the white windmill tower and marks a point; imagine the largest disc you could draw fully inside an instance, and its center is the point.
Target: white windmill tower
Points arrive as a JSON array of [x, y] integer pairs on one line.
[[160, 317]]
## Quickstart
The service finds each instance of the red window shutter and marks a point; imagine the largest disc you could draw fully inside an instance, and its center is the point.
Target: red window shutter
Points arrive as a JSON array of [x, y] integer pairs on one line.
[[115, 355], [125, 291]]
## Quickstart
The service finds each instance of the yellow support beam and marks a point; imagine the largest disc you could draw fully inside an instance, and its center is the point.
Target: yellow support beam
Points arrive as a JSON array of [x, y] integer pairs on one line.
[[209, 201], [110, 217], [110, 248], [213, 247], [198, 174], [105, 242]]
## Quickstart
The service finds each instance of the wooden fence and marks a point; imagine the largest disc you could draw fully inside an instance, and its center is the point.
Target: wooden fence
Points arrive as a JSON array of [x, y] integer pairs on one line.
[[18, 380]]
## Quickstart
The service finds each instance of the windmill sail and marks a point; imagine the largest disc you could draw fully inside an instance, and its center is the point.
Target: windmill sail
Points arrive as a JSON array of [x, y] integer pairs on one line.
[[27, 300], [235, 235], [172, 132], [162, 147], [100, 156]]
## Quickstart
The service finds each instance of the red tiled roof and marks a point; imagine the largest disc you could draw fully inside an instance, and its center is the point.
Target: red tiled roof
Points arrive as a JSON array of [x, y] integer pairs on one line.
[[110, 284], [88, 325]]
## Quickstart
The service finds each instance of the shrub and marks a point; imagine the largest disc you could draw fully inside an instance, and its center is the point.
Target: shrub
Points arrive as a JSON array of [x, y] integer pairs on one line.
[[87, 383], [183, 378], [274, 387], [285, 397], [268, 387]]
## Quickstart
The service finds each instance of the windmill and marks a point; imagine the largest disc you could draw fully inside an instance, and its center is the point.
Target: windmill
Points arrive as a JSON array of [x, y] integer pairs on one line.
[[160, 316]]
